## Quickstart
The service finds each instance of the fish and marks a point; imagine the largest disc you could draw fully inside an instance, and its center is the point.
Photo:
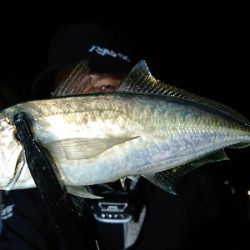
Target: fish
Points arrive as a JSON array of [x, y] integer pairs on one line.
[[145, 128]]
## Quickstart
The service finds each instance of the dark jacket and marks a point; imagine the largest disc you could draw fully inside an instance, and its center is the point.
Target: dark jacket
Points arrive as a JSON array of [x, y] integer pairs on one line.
[[193, 218]]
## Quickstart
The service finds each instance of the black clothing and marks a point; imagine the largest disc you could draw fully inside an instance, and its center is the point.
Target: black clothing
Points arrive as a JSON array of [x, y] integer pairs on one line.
[[190, 219]]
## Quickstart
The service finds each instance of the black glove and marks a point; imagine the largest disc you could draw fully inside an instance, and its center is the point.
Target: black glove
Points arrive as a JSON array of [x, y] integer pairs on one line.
[[46, 177]]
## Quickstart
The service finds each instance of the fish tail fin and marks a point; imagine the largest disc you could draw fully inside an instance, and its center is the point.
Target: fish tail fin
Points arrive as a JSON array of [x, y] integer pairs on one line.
[[73, 81]]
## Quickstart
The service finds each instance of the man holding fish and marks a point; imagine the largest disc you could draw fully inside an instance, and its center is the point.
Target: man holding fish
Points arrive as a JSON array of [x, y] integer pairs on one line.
[[130, 136]]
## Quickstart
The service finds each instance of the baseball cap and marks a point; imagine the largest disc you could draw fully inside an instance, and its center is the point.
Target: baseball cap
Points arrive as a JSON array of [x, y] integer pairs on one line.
[[106, 48]]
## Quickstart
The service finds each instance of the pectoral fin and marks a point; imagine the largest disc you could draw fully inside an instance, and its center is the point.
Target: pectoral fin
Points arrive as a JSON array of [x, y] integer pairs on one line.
[[83, 148]]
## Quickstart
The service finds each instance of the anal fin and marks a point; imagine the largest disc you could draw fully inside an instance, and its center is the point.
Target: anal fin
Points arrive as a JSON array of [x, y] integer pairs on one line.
[[167, 179]]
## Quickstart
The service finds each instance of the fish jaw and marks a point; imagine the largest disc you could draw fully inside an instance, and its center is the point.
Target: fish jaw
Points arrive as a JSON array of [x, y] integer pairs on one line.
[[10, 151], [12, 159]]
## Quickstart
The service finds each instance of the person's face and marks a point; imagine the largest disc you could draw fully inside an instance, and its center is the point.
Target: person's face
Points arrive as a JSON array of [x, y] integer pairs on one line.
[[94, 83], [91, 83]]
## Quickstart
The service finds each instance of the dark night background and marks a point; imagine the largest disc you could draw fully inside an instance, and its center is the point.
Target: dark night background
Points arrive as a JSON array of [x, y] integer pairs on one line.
[[205, 54]]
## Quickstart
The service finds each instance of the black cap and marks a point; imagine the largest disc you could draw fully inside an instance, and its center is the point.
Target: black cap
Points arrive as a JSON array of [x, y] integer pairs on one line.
[[106, 48]]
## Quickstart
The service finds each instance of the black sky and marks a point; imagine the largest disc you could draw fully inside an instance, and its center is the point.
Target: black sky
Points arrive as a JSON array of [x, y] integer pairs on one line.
[[203, 55]]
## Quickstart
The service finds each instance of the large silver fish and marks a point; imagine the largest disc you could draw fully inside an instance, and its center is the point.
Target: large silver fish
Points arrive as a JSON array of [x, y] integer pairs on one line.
[[145, 128]]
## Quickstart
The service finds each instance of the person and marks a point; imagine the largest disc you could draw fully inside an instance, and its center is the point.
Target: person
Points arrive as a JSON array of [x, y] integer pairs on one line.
[[161, 220]]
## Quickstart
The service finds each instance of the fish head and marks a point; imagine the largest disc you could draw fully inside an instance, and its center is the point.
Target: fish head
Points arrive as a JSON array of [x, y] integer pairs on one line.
[[10, 152]]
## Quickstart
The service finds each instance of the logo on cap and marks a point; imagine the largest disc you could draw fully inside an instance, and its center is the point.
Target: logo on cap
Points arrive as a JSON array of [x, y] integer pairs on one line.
[[108, 52]]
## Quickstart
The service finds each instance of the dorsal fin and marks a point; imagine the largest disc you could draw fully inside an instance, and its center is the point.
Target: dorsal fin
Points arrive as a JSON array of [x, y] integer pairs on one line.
[[141, 81]]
